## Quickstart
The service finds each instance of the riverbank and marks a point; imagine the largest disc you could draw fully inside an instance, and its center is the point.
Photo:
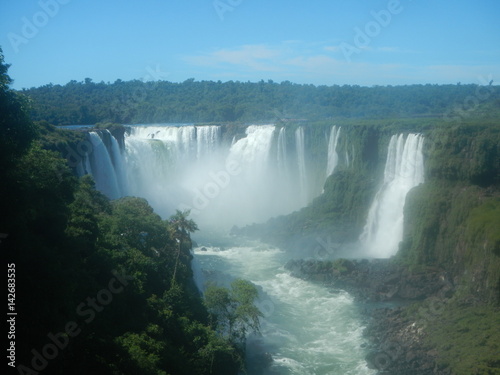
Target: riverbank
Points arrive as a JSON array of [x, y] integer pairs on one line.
[[416, 322]]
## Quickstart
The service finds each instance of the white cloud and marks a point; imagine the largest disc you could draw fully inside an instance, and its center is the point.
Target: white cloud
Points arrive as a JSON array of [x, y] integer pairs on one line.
[[388, 49], [332, 48], [320, 63], [258, 57]]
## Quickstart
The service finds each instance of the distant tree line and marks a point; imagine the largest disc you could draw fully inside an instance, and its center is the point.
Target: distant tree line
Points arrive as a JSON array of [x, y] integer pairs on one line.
[[136, 101]]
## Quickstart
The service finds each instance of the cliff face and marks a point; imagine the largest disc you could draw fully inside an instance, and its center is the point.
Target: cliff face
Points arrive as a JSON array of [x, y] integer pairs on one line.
[[452, 221]]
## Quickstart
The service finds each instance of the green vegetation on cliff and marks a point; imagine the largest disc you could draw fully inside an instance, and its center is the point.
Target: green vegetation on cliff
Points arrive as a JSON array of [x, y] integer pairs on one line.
[[102, 287], [452, 220]]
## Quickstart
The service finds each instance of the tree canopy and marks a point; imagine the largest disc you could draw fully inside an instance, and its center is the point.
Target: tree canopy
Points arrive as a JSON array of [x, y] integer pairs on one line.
[[233, 309], [129, 102]]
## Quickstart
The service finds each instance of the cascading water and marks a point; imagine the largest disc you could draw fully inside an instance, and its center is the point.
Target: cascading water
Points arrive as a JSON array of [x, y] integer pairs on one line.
[[188, 167], [241, 181], [153, 156], [404, 169], [333, 156], [282, 154], [118, 164], [252, 152], [208, 139], [103, 169], [301, 164]]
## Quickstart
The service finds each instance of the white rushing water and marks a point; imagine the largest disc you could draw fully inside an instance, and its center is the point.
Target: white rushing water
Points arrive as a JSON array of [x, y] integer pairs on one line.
[[333, 156], [190, 167], [404, 169], [306, 329], [301, 164], [102, 168], [282, 154]]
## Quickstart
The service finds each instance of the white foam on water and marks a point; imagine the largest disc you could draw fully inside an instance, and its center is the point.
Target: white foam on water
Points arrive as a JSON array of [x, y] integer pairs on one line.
[[307, 329]]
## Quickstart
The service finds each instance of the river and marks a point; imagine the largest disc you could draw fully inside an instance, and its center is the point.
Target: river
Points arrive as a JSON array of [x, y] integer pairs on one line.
[[307, 328]]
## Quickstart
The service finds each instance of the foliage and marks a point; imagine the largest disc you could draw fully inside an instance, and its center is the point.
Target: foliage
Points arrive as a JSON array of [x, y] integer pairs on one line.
[[466, 338], [116, 270], [451, 221], [16, 128], [233, 310], [484, 222], [134, 101]]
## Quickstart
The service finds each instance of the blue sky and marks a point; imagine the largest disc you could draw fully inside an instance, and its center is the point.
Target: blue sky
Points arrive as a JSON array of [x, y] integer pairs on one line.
[[363, 42]]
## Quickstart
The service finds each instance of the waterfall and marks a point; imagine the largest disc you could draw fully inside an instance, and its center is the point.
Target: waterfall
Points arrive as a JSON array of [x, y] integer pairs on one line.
[[222, 186], [250, 190], [186, 139], [103, 169], [253, 150], [404, 169], [333, 157], [208, 138], [118, 163], [190, 168], [301, 164], [282, 157]]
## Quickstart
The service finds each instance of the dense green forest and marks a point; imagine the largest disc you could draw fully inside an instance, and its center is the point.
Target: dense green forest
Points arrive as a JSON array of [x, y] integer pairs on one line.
[[99, 286], [136, 102]]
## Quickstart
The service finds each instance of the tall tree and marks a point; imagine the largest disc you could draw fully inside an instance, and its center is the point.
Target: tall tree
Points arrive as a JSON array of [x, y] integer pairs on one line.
[[16, 128], [234, 310]]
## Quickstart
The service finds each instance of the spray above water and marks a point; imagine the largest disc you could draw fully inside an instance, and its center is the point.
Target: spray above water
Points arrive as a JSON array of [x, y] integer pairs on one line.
[[190, 167]]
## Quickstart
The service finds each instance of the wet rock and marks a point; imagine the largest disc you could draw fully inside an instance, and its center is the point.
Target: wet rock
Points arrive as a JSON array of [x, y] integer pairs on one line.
[[396, 343]]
